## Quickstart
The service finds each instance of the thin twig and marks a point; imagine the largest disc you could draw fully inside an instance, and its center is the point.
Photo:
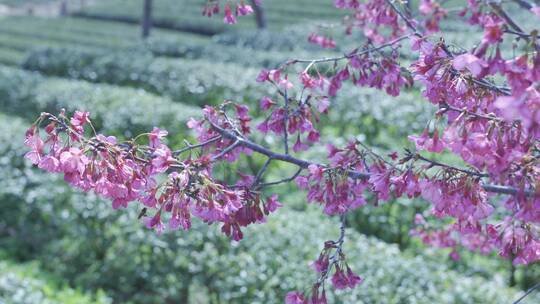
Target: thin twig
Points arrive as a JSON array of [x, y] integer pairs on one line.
[[528, 292], [261, 172], [438, 164], [348, 56], [524, 4], [281, 181], [491, 117], [407, 21], [285, 124], [511, 23], [191, 147], [226, 150]]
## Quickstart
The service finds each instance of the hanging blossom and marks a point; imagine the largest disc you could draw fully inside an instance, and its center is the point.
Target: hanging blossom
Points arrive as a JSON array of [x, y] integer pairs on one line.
[[434, 14], [322, 40], [212, 7], [294, 117], [374, 18], [332, 264]]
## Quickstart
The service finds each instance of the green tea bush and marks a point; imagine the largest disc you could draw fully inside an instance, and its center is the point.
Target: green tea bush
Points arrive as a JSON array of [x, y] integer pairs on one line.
[[11, 56], [285, 40], [218, 52], [197, 81], [115, 110], [26, 284]]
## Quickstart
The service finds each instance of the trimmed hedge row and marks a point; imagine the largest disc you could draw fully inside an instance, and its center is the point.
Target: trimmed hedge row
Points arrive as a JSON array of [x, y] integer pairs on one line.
[[78, 30], [220, 52], [26, 284], [193, 81], [80, 238], [11, 57], [116, 110]]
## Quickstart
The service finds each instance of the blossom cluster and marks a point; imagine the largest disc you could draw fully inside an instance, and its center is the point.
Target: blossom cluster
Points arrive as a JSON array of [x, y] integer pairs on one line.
[[151, 175], [330, 260], [213, 7]]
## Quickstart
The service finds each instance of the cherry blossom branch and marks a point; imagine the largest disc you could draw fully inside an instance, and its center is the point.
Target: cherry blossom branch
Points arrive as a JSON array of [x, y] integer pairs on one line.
[[261, 172], [517, 29], [235, 144], [352, 174], [480, 82], [405, 19], [338, 253], [502, 13], [348, 56], [447, 107], [520, 34]]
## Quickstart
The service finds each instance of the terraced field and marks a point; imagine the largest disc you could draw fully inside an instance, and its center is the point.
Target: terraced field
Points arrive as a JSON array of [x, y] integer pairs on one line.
[[186, 14], [19, 35]]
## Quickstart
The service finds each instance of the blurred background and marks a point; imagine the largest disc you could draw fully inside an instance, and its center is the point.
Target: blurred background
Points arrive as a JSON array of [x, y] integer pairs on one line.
[[136, 64]]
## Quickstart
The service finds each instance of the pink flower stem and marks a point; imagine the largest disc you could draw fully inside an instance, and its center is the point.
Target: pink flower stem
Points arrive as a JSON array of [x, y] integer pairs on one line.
[[285, 120]]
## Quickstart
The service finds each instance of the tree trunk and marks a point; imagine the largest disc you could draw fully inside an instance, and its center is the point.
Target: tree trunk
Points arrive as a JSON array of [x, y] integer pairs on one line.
[[63, 8], [259, 15], [146, 18]]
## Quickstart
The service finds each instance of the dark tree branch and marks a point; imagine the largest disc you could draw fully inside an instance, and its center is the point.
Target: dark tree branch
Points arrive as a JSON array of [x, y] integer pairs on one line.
[[438, 164], [352, 174], [537, 285], [261, 172], [517, 30], [281, 181], [260, 18], [235, 144], [524, 4], [190, 147], [347, 56], [335, 258]]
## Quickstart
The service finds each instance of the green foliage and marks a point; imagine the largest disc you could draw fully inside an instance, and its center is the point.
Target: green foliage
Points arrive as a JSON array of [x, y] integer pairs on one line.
[[19, 35], [80, 33], [217, 51], [286, 40], [10, 56], [194, 81], [27, 284], [114, 110]]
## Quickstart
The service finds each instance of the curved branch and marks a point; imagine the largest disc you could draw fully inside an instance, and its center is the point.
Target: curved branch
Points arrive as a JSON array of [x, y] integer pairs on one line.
[[524, 4], [537, 285], [352, 174]]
